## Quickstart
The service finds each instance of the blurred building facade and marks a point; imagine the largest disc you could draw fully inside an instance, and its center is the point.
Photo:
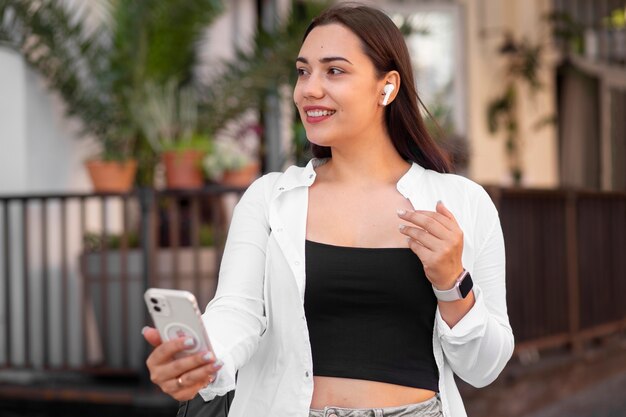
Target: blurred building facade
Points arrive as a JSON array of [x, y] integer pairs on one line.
[[43, 153]]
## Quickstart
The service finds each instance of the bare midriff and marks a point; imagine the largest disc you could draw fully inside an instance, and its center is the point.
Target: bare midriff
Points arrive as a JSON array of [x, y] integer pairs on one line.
[[359, 393]]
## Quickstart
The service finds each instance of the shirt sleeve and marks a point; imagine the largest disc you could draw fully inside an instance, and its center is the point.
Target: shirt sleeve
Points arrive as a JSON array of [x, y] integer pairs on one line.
[[478, 347], [235, 318]]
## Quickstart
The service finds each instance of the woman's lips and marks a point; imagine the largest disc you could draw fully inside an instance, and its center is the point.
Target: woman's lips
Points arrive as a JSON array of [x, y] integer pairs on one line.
[[317, 114]]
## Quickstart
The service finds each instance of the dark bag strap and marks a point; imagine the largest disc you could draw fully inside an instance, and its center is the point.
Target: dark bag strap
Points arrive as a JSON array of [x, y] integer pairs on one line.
[[197, 407]]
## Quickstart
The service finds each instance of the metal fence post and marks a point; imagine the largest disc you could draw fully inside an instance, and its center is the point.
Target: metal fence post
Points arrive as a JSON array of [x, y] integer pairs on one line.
[[146, 200], [146, 203]]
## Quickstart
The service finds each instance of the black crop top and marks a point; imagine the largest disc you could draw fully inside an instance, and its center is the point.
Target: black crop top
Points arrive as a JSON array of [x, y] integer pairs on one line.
[[370, 314]]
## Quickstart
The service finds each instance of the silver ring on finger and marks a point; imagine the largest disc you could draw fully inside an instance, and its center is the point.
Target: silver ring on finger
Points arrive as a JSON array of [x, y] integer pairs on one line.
[[179, 382]]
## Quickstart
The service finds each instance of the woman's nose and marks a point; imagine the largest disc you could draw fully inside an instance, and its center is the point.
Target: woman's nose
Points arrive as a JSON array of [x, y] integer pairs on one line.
[[312, 87]]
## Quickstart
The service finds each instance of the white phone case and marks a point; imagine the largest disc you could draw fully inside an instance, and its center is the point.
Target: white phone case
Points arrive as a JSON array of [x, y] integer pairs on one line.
[[175, 314]]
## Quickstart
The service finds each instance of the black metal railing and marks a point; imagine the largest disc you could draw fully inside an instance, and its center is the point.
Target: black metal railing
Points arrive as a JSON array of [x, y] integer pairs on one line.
[[74, 268]]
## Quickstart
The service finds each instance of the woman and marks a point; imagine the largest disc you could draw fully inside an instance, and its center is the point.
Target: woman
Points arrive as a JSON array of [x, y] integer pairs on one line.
[[366, 279]]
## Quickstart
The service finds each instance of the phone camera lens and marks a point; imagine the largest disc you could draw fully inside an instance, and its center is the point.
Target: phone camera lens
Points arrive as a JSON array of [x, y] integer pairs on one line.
[[154, 300], [157, 309]]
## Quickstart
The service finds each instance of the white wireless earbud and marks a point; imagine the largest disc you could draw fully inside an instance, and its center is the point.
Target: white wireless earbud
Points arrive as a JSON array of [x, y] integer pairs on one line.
[[388, 89]]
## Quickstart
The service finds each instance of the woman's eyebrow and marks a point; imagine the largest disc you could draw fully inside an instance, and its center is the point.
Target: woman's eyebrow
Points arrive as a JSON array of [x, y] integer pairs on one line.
[[324, 60]]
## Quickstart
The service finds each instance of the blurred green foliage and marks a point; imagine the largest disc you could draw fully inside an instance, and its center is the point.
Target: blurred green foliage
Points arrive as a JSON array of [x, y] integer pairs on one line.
[[104, 70], [101, 71]]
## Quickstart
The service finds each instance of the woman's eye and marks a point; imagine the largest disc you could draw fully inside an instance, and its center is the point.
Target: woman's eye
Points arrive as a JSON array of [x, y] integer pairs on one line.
[[301, 71], [335, 71]]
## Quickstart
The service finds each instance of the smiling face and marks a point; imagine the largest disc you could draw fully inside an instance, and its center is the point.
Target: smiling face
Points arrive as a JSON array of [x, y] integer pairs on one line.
[[338, 92]]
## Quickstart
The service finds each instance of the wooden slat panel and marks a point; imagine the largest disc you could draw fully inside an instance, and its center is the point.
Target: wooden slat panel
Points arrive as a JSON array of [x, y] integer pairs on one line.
[[534, 230], [602, 231]]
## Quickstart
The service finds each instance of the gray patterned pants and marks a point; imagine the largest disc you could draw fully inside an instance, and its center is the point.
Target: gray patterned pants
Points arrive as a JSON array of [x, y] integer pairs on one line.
[[428, 408]]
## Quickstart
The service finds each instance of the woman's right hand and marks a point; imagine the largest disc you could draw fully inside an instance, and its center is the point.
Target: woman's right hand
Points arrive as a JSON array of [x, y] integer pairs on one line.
[[180, 378]]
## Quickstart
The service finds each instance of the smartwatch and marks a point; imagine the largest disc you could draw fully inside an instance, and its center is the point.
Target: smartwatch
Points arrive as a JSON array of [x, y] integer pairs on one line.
[[462, 287]]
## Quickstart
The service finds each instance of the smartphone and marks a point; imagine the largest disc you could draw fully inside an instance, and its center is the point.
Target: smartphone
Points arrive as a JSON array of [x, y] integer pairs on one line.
[[175, 314]]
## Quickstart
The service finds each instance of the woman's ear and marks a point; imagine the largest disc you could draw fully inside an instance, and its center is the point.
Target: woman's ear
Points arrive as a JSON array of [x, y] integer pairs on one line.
[[390, 88]]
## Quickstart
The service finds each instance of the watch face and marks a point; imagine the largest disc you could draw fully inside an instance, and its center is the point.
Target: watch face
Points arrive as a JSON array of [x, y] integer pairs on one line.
[[466, 285]]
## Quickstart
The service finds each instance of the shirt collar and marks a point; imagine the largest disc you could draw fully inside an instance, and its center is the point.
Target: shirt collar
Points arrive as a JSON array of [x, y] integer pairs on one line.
[[409, 183], [296, 176], [303, 177]]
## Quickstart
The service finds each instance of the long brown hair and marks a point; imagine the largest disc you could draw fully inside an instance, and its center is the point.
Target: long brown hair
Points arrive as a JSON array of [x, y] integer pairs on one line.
[[383, 43]]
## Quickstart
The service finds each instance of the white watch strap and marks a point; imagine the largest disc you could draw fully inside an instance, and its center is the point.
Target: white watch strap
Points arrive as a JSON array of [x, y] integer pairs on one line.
[[453, 293]]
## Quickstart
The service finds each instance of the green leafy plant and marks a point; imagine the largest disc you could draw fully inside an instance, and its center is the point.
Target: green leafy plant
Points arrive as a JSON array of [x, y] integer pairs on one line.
[[168, 117], [565, 27], [523, 61], [616, 20], [95, 242], [206, 235], [102, 71]]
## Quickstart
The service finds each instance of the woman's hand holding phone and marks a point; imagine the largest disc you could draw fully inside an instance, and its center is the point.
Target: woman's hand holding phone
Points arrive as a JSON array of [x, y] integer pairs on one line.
[[183, 361], [179, 376]]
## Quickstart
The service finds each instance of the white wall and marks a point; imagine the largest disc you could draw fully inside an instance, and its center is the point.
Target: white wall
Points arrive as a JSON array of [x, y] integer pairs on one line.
[[55, 152], [12, 122], [235, 28], [39, 148]]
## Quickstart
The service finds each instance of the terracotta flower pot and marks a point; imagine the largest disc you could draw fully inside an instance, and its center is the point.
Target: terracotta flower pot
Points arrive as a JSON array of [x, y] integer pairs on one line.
[[112, 176], [183, 169], [242, 177]]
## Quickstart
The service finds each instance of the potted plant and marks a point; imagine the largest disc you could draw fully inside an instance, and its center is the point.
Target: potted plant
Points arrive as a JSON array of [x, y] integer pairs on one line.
[[229, 164], [111, 176], [168, 117], [113, 170], [183, 163]]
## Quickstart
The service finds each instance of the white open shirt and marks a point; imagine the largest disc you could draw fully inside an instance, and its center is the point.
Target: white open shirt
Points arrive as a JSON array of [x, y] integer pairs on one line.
[[256, 321]]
